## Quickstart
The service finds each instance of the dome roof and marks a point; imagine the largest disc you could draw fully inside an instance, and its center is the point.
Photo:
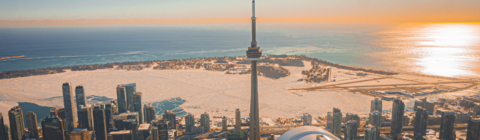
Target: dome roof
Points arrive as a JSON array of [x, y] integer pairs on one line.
[[307, 133]]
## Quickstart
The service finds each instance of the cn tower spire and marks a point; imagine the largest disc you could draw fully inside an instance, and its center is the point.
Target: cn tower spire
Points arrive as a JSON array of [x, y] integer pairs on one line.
[[254, 53], [254, 26]]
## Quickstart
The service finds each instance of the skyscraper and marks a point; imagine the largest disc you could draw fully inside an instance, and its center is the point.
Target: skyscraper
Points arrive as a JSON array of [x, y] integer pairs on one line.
[[80, 96], [375, 119], [121, 99], [70, 108], [224, 123], [254, 53], [52, 128], [337, 122], [3, 131], [149, 112], [61, 116], [370, 133], [129, 90], [85, 118], [447, 125], [205, 122], [137, 106], [110, 110], [17, 125], [100, 125], [307, 119], [7, 132], [189, 123], [350, 116], [32, 125], [376, 105], [171, 118], [398, 109], [473, 131], [420, 124], [351, 130], [238, 121], [143, 131]]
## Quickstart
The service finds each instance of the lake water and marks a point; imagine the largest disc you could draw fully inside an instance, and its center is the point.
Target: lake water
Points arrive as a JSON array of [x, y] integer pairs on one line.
[[445, 49]]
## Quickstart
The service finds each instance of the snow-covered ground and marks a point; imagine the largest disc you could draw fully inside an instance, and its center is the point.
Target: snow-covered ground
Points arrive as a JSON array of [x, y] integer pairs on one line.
[[217, 93]]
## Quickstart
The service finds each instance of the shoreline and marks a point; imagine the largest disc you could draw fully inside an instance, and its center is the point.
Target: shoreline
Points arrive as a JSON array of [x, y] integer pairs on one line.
[[54, 70], [8, 57]]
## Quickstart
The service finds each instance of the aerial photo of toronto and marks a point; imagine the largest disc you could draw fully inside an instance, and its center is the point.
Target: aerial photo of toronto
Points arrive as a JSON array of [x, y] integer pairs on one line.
[[240, 70]]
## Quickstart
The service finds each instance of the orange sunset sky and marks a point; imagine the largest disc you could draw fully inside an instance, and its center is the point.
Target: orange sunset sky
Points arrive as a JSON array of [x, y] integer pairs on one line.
[[90, 12]]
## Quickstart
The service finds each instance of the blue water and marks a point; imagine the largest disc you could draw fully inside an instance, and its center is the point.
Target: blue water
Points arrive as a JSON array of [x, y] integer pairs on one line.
[[77, 45]]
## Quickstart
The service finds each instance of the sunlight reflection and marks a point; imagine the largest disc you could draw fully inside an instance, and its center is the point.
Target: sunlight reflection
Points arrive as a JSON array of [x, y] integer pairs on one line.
[[450, 35], [443, 49]]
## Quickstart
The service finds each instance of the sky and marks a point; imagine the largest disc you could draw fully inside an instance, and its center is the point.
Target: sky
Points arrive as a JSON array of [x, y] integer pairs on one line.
[[381, 10]]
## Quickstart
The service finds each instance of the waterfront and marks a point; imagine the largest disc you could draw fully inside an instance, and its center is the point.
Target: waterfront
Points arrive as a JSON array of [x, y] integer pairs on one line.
[[407, 47]]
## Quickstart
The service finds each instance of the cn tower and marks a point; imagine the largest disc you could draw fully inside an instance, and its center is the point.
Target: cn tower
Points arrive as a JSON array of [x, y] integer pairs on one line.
[[253, 54]]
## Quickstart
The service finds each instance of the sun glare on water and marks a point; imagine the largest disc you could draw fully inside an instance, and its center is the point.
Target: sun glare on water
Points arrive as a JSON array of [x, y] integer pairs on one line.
[[444, 49]]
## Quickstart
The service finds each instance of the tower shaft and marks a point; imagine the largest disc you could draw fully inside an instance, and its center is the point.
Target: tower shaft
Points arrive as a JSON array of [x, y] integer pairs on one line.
[[254, 53]]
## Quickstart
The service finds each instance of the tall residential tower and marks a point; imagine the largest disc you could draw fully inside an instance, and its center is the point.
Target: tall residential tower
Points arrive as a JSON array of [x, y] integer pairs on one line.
[[70, 108]]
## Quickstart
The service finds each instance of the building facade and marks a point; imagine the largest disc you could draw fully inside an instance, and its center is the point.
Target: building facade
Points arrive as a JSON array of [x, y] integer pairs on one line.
[[137, 106], [420, 124], [447, 126], [32, 125], [121, 99], [205, 122], [337, 122], [17, 125], [69, 106], [376, 104], [100, 125], [52, 128], [398, 110], [80, 96]]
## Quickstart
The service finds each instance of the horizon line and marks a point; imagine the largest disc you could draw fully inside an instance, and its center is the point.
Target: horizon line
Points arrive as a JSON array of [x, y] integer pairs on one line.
[[135, 21]]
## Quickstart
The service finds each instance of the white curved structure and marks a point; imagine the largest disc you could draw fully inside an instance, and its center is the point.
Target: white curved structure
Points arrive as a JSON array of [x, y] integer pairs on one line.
[[307, 133]]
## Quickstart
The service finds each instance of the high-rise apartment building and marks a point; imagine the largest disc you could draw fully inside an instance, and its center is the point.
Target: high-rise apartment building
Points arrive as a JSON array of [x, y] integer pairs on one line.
[[3, 131], [17, 125], [447, 126], [473, 131], [351, 130], [307, 119], [121, 99], [130, 89], [137, 106], [69, 106], [375, 119], [85, 118], [337, 122], [238, 120], [420, 124], [370, 133], [110, 111], [149, 112], [32, 125], [398, 109], [189, 123], [80, 96], [376, 104], [350, 116], [205, 122], [52, 128], [171, 118], [100, 125], [224, 124]]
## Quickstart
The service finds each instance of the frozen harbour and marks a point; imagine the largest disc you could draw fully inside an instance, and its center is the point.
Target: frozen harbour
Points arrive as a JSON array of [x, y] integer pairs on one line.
[[217, 93]]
